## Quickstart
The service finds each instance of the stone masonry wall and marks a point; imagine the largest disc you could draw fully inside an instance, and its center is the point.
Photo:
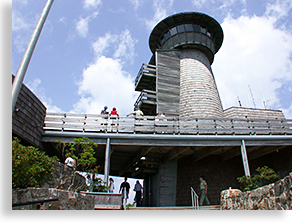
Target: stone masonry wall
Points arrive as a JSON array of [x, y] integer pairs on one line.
[[65, 178], [276, 196], [199, 96], [68, 200], [239, 112]]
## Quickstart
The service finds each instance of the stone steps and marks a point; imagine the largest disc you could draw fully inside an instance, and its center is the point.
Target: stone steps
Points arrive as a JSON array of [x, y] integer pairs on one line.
[[211, 207], [107, 207]]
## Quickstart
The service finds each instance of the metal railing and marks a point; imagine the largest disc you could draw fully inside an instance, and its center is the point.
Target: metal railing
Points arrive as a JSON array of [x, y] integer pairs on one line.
[[145, 69], [195, 199], [170, 125], [147, 96]]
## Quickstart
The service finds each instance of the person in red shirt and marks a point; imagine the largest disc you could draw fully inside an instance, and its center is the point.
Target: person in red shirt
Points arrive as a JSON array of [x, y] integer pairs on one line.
[[114, 111]]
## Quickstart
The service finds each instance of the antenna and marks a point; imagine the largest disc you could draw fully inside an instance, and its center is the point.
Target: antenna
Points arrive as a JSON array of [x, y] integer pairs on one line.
[[239, 101], [252, 96]]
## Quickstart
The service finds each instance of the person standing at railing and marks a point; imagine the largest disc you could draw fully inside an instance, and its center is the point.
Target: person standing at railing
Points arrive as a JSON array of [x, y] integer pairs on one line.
[[114, 115], [111, 185], [137, 113], [203, 192], [104, 113]]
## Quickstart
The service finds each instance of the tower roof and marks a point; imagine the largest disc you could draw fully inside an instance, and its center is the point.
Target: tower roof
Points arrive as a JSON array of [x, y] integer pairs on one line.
[[195, 18]]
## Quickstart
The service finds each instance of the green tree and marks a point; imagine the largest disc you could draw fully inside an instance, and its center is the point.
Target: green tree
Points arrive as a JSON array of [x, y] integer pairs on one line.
[[30, 166], [83, 151]]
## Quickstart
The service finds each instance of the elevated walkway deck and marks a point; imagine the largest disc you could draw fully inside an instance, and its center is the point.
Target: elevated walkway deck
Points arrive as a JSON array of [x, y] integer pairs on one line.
[[136, 144]]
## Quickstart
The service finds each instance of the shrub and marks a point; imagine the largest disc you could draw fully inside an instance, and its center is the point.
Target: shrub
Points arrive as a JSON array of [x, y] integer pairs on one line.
[[265, 173], [30, 166]]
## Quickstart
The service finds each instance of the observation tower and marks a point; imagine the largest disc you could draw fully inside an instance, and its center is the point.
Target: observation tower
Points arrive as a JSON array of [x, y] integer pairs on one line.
[[178, 79]]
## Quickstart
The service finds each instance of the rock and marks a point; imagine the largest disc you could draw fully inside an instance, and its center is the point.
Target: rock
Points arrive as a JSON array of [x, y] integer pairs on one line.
[[277, 196]]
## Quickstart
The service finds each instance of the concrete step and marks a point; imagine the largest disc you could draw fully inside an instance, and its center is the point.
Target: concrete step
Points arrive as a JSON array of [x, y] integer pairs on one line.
[[107, 207], [211, 207]]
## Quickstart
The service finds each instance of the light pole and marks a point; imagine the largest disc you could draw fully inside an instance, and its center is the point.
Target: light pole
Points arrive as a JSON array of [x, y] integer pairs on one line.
[[16, 86]]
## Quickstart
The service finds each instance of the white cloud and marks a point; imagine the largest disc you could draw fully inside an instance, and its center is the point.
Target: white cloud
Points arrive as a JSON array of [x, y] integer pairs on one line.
[[88, 4], [198, 3], [279, 9], [123, 45], [82, 25], [136, 3], [161, 8], [254, 61], [105, 82]]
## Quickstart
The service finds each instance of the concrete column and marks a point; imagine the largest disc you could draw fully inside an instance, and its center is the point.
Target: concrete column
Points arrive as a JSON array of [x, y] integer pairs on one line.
[[107, 161], [199, 96], [244, 159]]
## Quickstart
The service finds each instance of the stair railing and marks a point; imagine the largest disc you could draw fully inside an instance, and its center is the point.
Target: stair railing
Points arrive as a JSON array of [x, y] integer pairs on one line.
[[195, 199]]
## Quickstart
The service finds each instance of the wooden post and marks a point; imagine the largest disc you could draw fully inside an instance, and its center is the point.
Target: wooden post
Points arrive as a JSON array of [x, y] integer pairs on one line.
[[244, 159]]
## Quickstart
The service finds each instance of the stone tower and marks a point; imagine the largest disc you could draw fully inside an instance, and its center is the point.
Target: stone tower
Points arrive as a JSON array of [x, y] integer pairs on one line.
[[178, 79]]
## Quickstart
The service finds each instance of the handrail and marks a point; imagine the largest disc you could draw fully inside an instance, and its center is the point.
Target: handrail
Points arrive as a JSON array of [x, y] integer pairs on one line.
[[145, 68], [34, 202], [195, 199], [170, 125]]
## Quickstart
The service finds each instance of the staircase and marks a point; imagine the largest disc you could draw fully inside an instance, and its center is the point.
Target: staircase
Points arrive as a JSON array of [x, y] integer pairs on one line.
[[211, 207]]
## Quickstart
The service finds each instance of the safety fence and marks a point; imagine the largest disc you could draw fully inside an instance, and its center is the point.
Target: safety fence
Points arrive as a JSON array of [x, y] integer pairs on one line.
[[165, 125]]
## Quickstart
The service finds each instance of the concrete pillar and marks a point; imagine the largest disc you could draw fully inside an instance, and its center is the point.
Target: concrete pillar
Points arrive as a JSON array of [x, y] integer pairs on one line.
[[199, 96], [244, 159], [107, 161]]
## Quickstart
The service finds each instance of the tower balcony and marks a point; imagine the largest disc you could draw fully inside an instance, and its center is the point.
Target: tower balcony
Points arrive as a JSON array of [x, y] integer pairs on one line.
[[146, 78], [147, 102]]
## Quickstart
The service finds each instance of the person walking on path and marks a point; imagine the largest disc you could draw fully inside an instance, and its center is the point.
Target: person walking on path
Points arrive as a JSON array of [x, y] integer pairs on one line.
[[125, 187], [203, 191], [138, 188]]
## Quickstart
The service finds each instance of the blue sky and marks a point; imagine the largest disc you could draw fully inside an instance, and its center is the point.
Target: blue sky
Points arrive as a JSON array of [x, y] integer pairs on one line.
[[90, 51]]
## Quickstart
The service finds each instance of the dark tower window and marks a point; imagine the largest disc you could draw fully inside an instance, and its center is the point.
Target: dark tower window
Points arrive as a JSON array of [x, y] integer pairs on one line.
[[189, 27], [197, 28], [167, 35], [180, 28], [204, 30], [173, 31]]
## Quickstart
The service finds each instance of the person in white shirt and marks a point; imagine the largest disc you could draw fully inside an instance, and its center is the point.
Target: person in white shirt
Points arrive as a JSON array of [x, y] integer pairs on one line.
[[70, 162], [111, 185], [137, 113]]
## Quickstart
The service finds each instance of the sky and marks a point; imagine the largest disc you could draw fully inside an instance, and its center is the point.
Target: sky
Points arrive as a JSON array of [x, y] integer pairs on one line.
[[90, 51]]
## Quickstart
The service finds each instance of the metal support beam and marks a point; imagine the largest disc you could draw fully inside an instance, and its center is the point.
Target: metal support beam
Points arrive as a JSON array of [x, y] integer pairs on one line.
[[244, 159], [107, 160], [17, 83]]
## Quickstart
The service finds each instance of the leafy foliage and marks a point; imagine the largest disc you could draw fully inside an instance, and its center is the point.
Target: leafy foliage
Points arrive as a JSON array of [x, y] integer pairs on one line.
[[268, 174], [99, 185], [82, 150], [30, 166], [249, 183], [265, 173]]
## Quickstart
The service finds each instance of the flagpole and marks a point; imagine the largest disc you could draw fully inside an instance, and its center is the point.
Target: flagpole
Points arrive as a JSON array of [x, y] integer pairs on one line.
[[17, 83]]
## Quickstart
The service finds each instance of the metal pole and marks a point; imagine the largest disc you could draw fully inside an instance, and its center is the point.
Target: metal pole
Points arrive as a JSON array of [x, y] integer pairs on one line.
[[244, 159], [16, 86], [107, 160]]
